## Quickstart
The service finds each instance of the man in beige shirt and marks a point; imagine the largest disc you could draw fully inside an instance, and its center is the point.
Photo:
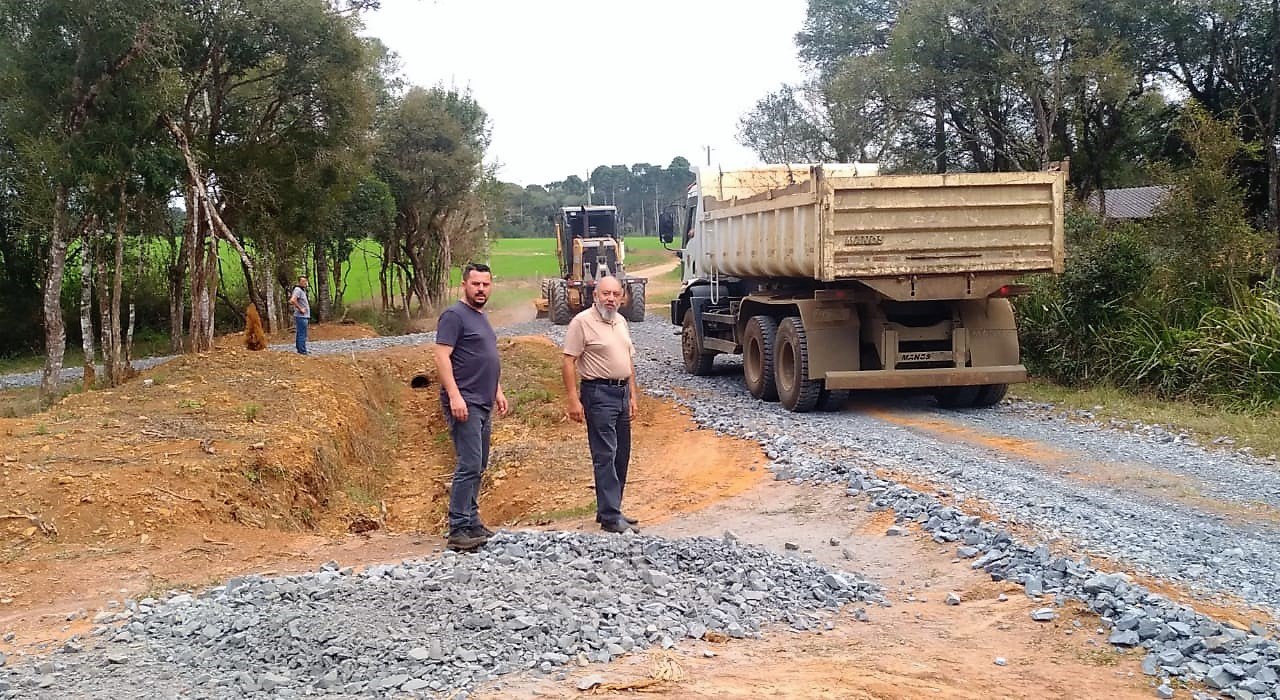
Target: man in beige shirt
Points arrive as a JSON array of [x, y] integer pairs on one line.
[[600, 381]]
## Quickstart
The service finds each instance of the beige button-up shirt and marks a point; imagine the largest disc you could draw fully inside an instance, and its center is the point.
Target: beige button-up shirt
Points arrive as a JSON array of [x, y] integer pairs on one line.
[[601, 350]]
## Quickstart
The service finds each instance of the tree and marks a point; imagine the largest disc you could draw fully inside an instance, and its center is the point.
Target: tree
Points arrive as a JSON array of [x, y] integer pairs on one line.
[[432, 145], [70, 80]]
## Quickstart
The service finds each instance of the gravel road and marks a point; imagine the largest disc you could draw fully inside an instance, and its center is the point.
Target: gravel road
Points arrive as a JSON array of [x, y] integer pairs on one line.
[[1135, 498]]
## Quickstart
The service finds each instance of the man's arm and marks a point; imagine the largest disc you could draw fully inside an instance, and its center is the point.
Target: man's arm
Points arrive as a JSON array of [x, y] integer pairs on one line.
[[293, 300], [500, 402], [444, 370], [569, 370], [634, 391]]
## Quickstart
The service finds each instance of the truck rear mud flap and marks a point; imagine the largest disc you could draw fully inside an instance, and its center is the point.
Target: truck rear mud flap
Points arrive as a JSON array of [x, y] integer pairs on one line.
[[923, 378]]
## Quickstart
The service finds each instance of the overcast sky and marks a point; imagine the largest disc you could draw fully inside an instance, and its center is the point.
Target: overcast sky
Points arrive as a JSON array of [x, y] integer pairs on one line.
[[662, 77]]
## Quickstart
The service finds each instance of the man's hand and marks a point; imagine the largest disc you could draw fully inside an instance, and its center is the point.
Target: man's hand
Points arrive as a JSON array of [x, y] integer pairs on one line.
[[576, 411], [501, 403], [458, 408], [632, 405]]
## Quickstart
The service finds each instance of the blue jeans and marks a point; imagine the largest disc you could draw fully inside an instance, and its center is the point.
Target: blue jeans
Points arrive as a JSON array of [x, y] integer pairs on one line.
[[608, 413], [300, 324], [471, 451]]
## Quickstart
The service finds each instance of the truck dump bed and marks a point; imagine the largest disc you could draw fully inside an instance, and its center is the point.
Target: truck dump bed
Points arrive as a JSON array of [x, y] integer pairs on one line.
[[831, 226]]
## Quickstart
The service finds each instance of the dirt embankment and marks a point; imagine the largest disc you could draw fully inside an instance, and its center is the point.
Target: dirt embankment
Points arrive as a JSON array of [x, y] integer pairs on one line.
[[233, 461]]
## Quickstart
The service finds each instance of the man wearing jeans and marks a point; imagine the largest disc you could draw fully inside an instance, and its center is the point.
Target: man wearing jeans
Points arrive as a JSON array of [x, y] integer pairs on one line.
[[301, 315], [467, 363], [598, 352]]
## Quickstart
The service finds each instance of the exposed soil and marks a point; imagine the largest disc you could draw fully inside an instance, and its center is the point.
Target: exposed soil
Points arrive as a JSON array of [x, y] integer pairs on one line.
[[232, 462]]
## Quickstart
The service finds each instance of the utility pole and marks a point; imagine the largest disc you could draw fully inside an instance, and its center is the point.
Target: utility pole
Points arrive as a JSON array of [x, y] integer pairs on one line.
[[588, 188]]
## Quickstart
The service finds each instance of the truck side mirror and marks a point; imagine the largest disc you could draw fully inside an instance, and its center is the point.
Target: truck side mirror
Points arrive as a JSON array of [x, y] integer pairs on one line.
[[666, 227]]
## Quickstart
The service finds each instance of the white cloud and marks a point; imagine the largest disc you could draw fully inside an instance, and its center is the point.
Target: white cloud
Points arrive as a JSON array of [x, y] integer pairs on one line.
[[571, 84]]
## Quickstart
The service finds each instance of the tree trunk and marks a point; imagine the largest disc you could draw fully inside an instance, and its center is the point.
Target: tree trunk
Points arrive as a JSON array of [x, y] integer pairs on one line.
[[128, 338], [215, 225], [324, 295], [200, 297], [116, 369], [86, 309], [55, 333], [339, 291], [177, 284], [384, 282], [105, 322], [133, 308]]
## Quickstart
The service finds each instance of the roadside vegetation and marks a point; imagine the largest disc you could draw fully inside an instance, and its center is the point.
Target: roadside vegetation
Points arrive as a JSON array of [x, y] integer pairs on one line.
[[1176, 304]]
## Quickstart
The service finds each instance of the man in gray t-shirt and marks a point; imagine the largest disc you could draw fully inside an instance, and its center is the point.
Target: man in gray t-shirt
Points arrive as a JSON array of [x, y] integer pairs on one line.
[[301, 315], [468, 366]]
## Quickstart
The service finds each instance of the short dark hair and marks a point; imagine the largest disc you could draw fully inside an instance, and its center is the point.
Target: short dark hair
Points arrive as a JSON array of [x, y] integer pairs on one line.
[[474, 267]]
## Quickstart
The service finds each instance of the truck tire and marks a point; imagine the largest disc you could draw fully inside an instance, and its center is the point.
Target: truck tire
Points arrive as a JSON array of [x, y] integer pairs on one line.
[[757, 357], [956, 396], [990, 394], [796, 391], [635, 306], [832, 400], [558, 300], [697, 361]]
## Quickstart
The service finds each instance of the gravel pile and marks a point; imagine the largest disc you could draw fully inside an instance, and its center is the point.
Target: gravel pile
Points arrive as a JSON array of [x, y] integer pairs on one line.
[[1201, 549], [528, 601]]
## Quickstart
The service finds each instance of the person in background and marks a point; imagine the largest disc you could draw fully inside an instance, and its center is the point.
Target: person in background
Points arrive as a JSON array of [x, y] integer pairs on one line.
[[468, 365], [301, 314]]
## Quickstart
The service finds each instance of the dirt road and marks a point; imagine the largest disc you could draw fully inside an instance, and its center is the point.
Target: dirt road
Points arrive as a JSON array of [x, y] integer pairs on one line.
[[198, 471]]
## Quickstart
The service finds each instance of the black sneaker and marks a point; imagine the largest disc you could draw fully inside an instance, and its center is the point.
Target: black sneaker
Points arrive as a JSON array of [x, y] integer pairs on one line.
[[465, 540], [482, 530]]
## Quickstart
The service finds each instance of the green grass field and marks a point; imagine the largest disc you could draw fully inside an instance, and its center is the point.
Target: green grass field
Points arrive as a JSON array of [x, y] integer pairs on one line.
[[510, 258]]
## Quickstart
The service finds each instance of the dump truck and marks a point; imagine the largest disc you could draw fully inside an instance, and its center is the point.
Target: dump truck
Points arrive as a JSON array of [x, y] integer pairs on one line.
[[832, 278], [588, 246]]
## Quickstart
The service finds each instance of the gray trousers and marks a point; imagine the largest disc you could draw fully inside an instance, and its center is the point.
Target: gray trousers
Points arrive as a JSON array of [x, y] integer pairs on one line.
[[608, 415], [471, 450]]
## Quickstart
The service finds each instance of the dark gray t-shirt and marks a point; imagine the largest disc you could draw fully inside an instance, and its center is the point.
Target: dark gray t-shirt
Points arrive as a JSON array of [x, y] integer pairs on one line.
[[475, 353]]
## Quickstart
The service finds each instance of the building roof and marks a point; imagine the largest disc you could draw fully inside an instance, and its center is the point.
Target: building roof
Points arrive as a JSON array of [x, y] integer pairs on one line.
[[1130, 202]]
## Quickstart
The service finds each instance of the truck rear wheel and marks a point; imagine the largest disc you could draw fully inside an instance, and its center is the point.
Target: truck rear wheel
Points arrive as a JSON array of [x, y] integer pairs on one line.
[[956, 396], [696, 361], [635, 305], [757, 357], [796, 390], [558, 300], [991, 394]]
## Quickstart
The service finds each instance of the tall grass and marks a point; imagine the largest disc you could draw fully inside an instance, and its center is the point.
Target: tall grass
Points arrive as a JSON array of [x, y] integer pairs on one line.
[[1230, 356]]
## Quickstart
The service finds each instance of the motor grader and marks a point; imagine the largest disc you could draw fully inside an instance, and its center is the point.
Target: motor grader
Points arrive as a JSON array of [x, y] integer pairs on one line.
[[589, 247]]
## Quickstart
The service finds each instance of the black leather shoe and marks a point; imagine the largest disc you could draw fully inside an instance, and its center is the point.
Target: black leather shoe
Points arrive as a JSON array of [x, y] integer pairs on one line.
[[482, 530], [618, 526]]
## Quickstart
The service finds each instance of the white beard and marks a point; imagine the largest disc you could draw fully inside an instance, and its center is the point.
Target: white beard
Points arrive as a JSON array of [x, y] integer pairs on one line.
[[606, 313]]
